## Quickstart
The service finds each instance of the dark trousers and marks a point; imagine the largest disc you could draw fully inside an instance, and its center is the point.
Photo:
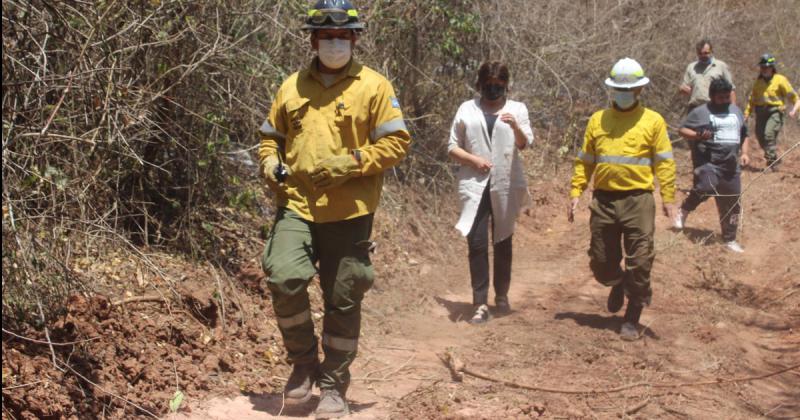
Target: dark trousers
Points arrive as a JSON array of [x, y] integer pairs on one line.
[[623, 220], [726, 190], [345, 272], [478, 244]]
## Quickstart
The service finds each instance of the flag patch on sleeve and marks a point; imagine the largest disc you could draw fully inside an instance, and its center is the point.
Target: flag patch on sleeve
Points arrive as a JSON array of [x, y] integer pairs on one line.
[[395, 102]]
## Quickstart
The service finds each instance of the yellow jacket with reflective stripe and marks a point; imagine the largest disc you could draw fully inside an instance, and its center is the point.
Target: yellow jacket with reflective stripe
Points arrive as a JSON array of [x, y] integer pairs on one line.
[[623, 150], [309, 123], [777, 92]]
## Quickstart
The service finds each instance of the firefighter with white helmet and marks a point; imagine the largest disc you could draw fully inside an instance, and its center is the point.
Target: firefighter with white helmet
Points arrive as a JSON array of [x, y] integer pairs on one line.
[[625, 147]]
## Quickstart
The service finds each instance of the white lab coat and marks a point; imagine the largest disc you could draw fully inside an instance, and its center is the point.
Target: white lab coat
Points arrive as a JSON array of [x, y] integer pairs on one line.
[[509, 186]]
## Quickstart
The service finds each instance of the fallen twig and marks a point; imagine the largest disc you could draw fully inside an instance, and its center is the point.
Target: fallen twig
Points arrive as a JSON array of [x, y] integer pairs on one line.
[[451, 361], [33, 340], [8, 388], [385, 377], [455, 365], [136, 299], [47, 334], [637, 407]]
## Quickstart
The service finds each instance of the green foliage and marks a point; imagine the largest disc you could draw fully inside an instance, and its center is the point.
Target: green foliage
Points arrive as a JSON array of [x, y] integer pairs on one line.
[[176, 401], [246, 200], [459, 29]]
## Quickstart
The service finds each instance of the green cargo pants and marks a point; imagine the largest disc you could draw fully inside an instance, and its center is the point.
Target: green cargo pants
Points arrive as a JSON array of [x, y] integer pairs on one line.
[[769, 121], [345, 271], [625, 218]]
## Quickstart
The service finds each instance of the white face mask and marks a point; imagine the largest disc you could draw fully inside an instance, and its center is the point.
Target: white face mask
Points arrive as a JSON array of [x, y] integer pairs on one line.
[[624, 98], [334, 53]]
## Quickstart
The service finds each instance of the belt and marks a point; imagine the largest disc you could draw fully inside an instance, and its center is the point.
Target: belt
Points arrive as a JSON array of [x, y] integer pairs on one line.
[[621, 194]]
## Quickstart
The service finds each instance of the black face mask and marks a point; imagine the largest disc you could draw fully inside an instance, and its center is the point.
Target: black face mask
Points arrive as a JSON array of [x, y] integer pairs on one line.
[[718, 108], [493, 92]]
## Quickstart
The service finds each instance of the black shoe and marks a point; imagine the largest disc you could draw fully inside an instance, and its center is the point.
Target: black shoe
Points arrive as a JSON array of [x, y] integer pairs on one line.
[[501, 305], [616, 298]]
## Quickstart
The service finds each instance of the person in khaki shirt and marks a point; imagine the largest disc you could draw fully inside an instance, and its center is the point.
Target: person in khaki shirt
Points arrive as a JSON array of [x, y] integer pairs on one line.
[[700, 73]]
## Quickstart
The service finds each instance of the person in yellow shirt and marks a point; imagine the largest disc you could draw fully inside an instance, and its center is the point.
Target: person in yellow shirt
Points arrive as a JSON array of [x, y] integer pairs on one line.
[[332, 130], [771, 93], [625, 147]]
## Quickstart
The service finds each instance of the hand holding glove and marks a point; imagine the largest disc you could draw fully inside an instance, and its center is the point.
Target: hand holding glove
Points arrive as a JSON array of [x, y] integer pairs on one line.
[[335, 171]]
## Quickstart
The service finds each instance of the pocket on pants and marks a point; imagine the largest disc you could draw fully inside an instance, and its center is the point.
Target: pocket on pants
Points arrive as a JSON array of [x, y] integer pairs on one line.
[[354, 277]]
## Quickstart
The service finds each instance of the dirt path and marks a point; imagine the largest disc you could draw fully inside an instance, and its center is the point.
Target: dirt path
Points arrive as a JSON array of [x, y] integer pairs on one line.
[[715, 315], [406, 358]]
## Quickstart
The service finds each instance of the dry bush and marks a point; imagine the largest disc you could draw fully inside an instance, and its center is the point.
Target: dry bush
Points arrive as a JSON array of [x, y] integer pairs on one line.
[[134, 122], [123, 121]]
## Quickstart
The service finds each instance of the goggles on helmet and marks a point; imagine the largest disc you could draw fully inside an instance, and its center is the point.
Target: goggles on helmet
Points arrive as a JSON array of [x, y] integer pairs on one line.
[[336, 16]]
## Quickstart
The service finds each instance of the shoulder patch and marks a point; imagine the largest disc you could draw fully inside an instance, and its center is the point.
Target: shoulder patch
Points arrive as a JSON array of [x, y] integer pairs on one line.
[[394, 101]]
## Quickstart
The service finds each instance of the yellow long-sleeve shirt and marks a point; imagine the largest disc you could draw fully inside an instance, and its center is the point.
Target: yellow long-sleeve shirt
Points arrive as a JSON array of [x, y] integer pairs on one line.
[[623, 150], [309, 122], [776, 92]]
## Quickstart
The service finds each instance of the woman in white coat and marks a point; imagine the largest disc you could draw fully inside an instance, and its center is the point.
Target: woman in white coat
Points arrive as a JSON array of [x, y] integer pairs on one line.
[[487, 134]]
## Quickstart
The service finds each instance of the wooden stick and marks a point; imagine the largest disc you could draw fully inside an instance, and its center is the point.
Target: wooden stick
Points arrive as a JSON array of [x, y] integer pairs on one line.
[[636, 408], [136, 299], [450, 361], [33, 340]]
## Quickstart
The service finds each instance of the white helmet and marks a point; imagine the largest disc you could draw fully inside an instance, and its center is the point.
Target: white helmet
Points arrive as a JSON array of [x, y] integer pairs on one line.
[[627, 74]]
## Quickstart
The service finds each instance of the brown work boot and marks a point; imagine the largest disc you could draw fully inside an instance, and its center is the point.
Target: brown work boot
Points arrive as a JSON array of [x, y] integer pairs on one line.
[[301, 382], [332, 404]]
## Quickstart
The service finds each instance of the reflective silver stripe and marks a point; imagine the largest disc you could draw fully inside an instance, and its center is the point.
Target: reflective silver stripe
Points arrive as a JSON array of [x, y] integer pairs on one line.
[[339, 343], [268, 130], [587, 157], [388, 127], [294, 320], [624, 160], [663, 156]]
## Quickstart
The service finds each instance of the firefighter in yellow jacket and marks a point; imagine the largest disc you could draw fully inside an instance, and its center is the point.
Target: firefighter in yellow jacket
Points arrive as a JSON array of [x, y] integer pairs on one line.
[[625, 147], [771, 93], [332, 130]]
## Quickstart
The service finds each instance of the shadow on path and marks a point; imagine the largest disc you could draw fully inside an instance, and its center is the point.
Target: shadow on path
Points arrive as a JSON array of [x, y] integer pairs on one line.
[[700, 236], [600, 322], [273, 405], [456, 311]]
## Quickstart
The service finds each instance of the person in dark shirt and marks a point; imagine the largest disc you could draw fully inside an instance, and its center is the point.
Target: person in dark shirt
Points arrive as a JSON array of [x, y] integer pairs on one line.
[[719, 130]]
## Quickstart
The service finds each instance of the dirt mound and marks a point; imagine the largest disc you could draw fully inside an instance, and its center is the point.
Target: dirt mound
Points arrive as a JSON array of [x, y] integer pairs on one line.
[[190, 328], [128, 357]]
